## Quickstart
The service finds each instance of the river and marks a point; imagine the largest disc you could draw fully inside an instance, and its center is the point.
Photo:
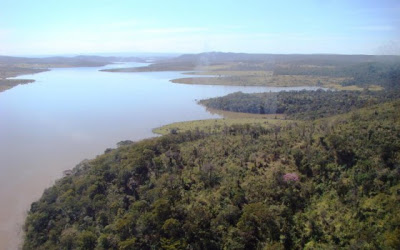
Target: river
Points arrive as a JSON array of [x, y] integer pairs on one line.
[[72, 114]]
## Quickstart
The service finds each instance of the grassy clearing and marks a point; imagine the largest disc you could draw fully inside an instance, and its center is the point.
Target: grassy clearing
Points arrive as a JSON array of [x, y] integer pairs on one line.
[[239, 115], [259, 73], [230, 118], [353, 87], [246, 74], [260, 78], [216, 125]]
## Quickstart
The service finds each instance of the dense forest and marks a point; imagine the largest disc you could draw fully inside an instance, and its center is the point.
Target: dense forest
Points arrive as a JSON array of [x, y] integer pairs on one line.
[[303, 105], [318, 104], [325, 184]]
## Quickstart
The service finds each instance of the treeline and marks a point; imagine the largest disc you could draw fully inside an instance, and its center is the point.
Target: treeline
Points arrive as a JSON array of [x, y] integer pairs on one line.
[[328, 184], [300, 104], [385, 74], [287, 59]]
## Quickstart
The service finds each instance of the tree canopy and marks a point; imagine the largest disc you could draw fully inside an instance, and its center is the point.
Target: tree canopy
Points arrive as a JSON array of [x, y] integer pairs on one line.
[[325, 184]]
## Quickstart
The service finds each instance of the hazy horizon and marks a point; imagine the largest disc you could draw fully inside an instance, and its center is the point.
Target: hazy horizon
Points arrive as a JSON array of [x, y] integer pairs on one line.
[[169, 55], [290, 27]]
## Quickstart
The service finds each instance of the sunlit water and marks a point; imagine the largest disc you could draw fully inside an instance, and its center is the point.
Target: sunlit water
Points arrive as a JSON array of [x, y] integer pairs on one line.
[[72, 114]]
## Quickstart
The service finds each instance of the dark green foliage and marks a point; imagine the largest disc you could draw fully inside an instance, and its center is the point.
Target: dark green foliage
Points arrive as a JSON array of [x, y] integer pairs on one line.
[[300, 104], [227, 190], [383, 72]]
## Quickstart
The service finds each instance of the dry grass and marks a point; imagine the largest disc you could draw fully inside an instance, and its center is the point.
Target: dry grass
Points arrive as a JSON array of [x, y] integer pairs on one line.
[[239, 115], [353, 87], [214, 125], [260, 78], [230, 118]]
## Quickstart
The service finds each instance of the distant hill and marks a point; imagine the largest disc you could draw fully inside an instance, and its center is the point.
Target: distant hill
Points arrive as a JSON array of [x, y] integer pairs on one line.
[[315, 59], [15, 66], [72, 61]]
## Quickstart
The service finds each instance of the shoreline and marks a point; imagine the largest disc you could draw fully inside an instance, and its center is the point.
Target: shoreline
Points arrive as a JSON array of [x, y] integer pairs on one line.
[[6, 84]]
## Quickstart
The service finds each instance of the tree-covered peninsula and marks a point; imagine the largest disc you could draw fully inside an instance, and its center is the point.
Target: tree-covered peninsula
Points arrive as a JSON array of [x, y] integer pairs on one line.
[[331, 183]]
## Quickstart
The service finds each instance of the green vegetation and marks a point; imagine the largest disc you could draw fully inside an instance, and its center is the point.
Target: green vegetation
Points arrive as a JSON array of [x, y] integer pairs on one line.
[[217, 125], [7, 71], [341, 72], [260, 78], [300, 104], [385, 74], [10, 83], [332, 183], [296, 170]]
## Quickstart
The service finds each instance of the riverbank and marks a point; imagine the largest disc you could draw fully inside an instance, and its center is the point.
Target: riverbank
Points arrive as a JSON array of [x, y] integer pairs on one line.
[[77, 113], [6, 84], [132, 196], [339, 72], [267, 80], [234, 74], [17, 66], [216, 125], [7, 71]]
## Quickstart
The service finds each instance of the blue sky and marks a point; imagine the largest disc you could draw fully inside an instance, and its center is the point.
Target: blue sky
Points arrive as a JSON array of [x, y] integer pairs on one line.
[[30, 27]]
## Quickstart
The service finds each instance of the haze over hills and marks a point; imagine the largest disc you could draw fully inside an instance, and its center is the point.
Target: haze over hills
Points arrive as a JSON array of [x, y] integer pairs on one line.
[[75, 61], [236, 124], [281, 58], [14, 66], [141, 195], [301, 169]]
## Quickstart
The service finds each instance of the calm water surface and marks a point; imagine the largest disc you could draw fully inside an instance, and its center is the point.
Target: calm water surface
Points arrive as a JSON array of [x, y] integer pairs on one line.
[[72, 114]]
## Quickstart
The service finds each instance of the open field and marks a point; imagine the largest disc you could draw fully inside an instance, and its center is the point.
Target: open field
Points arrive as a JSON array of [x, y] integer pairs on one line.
[[240, 74], [219, 76], [261, 78], [230, 118], [340, 72], [215, 125], [240, 115]]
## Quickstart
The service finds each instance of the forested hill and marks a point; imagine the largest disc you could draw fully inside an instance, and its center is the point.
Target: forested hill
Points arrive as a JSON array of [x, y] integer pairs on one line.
[[328, 184]]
